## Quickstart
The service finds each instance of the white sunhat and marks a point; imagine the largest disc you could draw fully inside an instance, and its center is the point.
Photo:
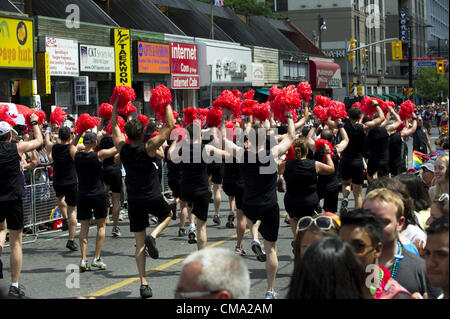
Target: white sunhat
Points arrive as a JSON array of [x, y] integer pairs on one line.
[[5, 128]]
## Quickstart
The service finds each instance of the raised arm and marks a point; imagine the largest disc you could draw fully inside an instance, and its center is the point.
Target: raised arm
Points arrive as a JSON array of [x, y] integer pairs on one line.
[[411, 130], [155, 143], [397, 121], [107, 153], [309, 138], [328, 168], [117, 136], [375, 122], [48, 139], [287, 141], [23, 147], [345, 140], [73, 145], [303, 120]]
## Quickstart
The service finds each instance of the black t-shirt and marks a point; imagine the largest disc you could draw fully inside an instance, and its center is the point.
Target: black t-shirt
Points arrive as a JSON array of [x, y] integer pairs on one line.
[[412, 275], [90, 174], [11, 178], [301, 180], [395, 148], [378, 144], [259, 179], [232, 173], [194, 171], [141, 179], [63, 166], [357, 138], [420, 140], [327, 182], [174, 171], [108, 164]]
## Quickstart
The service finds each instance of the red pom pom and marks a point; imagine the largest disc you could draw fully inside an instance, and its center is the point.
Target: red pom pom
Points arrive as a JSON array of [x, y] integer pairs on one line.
[[201, 114], [357, 104], [273, 92], [143, 119], [401, 127], [125, 93], [228, 100], [239, 121], [120, 122], [320, 144], [127, 109], [304, 90], [41, 118], [249, 95], [406, 110], [58, 116], [237, 93], [175, 115], [261, 112], [5, 117], [230, 130], [189, 116], [247, 107], [322, 100], [336, 110], [214, 117], [390, 103], [85, 122], [105, 111], [366, 106], [287, 100], [179, 132], [160, 98], [321, 112]]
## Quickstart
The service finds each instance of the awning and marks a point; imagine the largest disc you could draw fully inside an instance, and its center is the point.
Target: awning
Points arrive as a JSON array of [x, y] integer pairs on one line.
[[397, 95], [377, 96], [323, 74], [389, 96], [263, 91]]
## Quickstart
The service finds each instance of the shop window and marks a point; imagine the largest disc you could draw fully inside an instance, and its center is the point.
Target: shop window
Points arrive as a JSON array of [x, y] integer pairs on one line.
[[93, 93], [391, 89], [63, 93]]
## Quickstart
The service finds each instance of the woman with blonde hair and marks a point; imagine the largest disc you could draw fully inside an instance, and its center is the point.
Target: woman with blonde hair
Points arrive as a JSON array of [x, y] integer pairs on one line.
[[440, 177]]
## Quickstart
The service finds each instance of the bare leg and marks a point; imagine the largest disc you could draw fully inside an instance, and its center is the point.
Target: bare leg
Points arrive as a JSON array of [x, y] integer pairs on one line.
[[201, 234], [62, 207], [346, 187], [271, 263], [161, 226], [2, 236], [140, 255], [101, 233], [357, 193], [232, 201], [217, 197], [240, 226], [83, 237], [294, 221], [183, 213], [116, 208], [72, 212], [15, 239]]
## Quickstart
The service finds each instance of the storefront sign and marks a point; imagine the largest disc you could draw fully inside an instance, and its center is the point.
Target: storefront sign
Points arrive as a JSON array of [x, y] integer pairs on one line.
[[335, 53], [97, 59], [403, 26], [81, 90], [258, 74], [153, 58], [185, 82], [43, 73], [122, 48], [63, 56], [324, 74], [16, 43]]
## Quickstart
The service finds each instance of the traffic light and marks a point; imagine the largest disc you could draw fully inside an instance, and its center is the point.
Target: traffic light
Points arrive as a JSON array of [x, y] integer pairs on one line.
[[440, 67], [397, 53], [405, 92], [359, 90], [351, 55], [365, 56], [351, 88], [411, 92]]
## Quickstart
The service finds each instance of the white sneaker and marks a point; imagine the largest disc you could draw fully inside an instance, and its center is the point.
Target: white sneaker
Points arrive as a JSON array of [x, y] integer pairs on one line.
[[84, 265], [271, 294], [98, 263]]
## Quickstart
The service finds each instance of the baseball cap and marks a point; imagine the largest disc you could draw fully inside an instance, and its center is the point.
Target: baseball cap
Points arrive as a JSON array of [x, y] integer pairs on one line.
[[428, 165], [5, 128]]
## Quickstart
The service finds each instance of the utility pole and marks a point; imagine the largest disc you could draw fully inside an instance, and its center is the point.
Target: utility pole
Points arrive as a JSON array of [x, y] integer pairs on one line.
[[410, 68], [212, 19]]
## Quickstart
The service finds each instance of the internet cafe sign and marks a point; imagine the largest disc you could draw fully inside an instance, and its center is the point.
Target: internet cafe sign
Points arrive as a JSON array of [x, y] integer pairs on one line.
[[97, 59], [184, 66]]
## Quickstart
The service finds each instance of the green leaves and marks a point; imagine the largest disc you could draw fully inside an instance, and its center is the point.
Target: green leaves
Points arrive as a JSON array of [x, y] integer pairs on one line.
[[429, 84]]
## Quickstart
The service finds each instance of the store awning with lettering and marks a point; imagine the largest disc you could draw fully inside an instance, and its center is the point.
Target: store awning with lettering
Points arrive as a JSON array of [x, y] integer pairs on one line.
[[324, 74]]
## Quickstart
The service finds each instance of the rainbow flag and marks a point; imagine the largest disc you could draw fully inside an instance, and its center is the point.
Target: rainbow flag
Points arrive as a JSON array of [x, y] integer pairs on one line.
[[418, 159]]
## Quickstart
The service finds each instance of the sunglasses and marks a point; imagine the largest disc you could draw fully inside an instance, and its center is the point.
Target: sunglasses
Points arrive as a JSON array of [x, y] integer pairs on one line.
[[322, 222], [443, 197], [194, 294]]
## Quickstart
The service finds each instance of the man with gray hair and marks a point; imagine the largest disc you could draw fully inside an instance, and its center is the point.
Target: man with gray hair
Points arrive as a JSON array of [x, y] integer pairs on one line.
[[213, 273]]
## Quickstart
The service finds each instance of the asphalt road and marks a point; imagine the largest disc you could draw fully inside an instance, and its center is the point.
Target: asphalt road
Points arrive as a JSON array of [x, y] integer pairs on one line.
[[46, 271]]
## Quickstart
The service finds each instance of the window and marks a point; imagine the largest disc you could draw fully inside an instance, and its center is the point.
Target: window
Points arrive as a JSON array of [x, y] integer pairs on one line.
[[63, 93], [369, 90], [356, 5], [391, 89], [282, 5], [383, 90]]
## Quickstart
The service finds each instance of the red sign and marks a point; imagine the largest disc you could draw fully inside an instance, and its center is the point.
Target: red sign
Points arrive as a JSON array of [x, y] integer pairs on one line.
[[185, 82], [184, 59], [324, 74]]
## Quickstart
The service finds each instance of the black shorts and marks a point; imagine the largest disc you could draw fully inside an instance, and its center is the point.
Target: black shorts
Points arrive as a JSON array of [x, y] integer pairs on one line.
[[216, 170], [12, 211], [113, 178], [353, 169], [330, 198], [199, 202], [297, 209], [175, 187], [236, 190], [69, 192], [380, 166], [138, 211], [269, 217], [91, 205]]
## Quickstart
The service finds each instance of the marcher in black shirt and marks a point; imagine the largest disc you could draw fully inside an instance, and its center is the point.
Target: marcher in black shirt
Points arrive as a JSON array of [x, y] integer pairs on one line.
[[143, 186], [91, 195]]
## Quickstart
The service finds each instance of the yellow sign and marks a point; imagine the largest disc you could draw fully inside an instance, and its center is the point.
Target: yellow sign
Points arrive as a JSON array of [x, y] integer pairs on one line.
[[122, 45], [16, 43], [397, 53], [43, 73]]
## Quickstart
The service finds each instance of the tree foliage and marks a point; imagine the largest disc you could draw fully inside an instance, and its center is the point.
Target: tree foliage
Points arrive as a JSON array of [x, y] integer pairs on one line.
[[251, 7], [429, 84]]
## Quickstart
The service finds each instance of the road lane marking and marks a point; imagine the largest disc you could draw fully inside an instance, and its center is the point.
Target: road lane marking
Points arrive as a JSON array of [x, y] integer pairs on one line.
[[125, 282]]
